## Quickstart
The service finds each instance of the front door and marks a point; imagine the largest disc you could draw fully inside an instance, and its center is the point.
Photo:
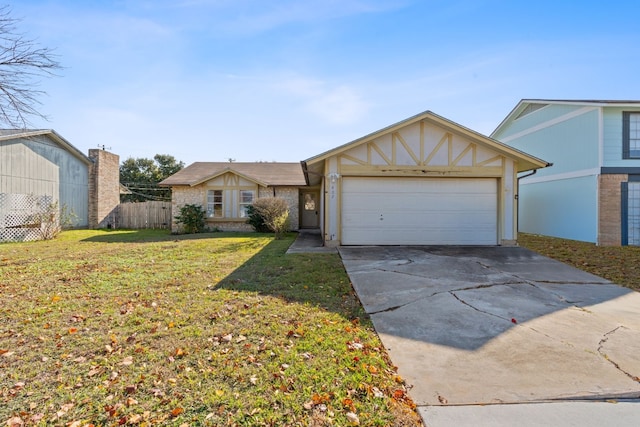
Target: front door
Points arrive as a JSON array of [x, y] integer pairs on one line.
[[310, 206]]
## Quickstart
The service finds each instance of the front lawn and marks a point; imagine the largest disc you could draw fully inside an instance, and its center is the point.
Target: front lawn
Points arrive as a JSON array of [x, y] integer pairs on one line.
[[619, 264], [145, 328]]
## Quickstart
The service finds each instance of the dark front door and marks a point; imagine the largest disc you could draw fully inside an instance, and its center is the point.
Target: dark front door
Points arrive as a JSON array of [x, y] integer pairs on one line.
[[310, 206]]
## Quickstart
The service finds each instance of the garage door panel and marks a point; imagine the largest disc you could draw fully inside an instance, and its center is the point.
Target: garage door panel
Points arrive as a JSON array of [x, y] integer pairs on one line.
[[412, 202], [423, 211]]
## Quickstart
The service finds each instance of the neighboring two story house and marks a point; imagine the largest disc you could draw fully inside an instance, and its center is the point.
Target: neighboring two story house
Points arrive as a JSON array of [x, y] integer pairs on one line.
[[592, 192]]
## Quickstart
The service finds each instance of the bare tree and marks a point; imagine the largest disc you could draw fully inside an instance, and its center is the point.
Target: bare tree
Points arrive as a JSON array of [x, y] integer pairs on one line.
[[22, 64]]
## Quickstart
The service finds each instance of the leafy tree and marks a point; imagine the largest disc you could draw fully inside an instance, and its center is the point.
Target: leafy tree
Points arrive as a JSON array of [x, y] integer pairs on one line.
[[141, 176], [22, 63]]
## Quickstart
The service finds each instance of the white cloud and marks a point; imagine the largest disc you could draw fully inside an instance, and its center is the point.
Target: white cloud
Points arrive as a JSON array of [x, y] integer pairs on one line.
[[334, 104], [250, 17]]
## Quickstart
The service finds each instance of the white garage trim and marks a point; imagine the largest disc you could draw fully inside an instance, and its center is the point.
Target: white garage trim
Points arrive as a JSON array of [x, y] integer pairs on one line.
[[419, 211]]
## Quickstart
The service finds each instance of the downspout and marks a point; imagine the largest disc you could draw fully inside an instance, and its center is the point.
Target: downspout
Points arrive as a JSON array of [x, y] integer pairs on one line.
[[533, 172]]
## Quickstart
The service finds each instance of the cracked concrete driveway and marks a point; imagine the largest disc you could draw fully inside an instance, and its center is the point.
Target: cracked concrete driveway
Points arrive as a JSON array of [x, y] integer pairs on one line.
[[489, 325]]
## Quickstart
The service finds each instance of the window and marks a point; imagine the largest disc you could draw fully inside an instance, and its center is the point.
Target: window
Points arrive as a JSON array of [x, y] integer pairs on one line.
[[633, 213], [246, 198], [309, 202], [630, 135], [214, 204]]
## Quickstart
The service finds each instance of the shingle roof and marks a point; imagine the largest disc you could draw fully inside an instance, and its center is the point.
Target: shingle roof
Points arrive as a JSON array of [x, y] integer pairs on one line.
[[269, 174]]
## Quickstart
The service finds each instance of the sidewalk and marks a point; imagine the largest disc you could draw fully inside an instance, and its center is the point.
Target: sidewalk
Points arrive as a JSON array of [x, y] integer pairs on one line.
[[623, 413]]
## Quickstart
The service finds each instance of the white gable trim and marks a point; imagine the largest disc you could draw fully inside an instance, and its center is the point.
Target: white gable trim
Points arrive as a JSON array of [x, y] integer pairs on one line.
[[559, 176], [549, 123]]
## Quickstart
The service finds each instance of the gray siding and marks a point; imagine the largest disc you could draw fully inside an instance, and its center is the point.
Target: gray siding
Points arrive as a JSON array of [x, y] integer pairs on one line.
[[39, 166]]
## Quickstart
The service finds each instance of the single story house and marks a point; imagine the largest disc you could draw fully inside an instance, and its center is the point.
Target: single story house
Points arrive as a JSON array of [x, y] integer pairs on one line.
[[592, 193], [39, 168], [423, 181], [225, 189]]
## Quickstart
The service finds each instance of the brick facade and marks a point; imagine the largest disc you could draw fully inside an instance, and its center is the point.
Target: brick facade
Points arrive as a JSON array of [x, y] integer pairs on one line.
[[291, 196], [104, 188], [197, 195], [609, 214]]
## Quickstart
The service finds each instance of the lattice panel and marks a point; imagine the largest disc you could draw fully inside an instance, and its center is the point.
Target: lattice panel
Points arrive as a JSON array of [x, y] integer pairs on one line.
[[17, 216]]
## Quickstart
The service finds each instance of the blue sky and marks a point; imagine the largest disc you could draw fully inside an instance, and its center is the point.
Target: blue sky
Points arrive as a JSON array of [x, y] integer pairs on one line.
[[261, 80]]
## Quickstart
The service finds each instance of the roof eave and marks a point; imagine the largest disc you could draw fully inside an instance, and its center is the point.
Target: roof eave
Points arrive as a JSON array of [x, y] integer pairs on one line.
[[56, 137], [227, 170], [368, 137], [596, 103]]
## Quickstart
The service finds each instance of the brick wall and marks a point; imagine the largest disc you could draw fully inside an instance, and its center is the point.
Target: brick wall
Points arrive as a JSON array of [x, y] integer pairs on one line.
[[609, 215], [104, 188], [181, 196], [291, 196], [197, 195]]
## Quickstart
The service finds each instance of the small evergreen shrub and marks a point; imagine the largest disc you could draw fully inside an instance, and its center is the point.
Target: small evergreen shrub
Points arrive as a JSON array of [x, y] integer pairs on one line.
[[256, 220], [192, 218]]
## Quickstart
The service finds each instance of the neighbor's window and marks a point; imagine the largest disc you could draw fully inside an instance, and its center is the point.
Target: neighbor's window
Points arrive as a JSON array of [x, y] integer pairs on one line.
[[630, 135], [246, 198], [214, 204]]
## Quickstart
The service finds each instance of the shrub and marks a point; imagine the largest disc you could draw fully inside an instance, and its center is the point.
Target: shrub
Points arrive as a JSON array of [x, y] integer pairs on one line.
[[52, 220], [192, 218], [256, 220], [269, 214]]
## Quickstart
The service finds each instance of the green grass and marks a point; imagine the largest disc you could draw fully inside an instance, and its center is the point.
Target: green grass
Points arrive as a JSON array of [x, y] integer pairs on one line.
[[145, 328], [619, 264]]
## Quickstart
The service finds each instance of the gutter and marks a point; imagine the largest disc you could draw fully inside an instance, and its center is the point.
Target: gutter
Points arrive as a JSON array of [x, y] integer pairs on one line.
[[305, 171]]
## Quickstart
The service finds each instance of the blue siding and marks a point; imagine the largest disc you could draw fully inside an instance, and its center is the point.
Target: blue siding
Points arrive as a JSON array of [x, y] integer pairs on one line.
[[612, 139], [564, 208], [571, 145], [535, 118]]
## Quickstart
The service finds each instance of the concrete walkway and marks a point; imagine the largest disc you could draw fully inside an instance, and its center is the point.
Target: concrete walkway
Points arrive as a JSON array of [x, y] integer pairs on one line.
[[309, 241], [502, 336]]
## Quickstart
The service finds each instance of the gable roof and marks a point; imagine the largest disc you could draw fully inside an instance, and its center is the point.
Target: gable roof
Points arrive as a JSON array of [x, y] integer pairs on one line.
[[264, 174], [524, 103], [9, 134], [525, 161]]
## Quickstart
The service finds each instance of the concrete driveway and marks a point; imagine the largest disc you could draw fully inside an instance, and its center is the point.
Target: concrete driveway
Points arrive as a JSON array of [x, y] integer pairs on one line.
[[494, 325]]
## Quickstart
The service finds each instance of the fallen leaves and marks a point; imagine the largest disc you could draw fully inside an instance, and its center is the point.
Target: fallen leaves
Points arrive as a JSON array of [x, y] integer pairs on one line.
[[129, 346], [353, 418]]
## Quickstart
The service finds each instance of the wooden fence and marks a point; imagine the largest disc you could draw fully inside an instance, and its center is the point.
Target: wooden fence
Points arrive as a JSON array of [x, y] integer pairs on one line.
[[144, 215]]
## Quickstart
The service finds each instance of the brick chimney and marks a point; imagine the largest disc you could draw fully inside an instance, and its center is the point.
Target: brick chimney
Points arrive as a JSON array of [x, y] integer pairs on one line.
[[104, 188]]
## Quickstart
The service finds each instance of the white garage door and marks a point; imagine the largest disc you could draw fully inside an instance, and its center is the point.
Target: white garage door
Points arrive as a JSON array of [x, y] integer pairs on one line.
[[419, 211]]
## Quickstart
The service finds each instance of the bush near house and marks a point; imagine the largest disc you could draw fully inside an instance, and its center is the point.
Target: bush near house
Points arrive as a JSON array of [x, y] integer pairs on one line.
[[192, 218], [269, 214]]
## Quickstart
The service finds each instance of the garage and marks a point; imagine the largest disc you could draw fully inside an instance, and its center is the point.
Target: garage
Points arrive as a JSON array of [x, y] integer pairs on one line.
[[419, 211], [423, 181]]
